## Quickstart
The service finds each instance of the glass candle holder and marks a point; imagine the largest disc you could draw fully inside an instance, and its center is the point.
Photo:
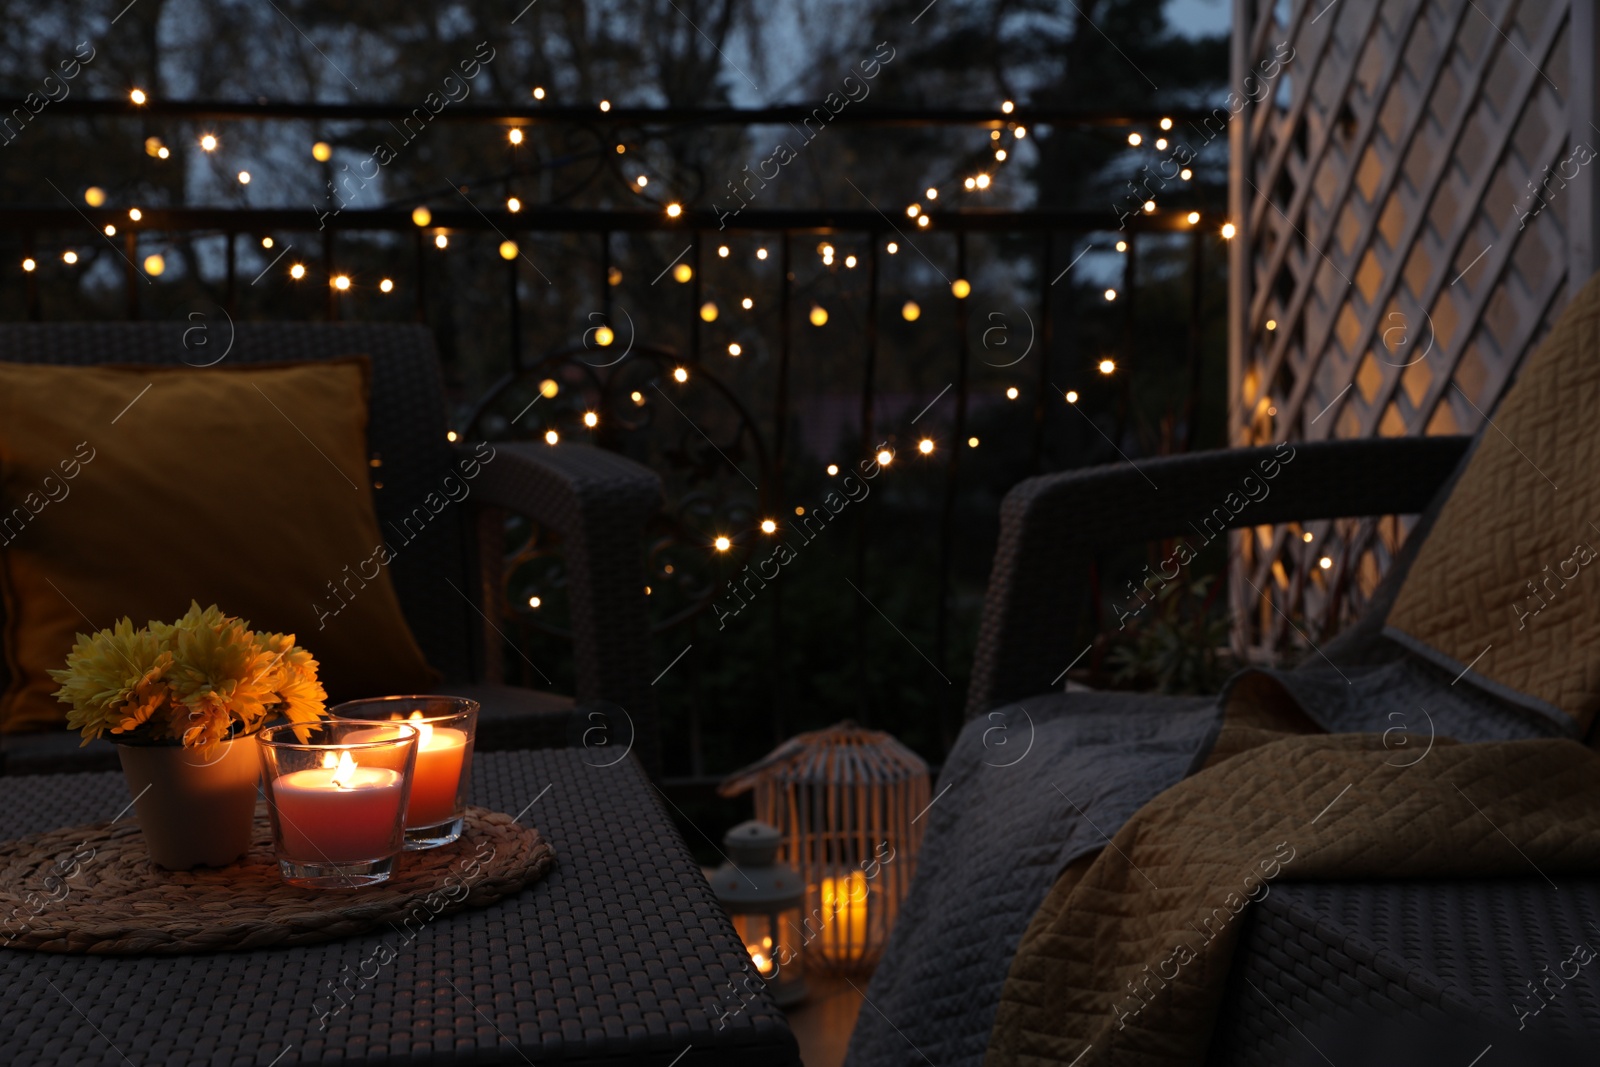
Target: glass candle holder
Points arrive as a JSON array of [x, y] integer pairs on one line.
[[337, 792], [448, 726]]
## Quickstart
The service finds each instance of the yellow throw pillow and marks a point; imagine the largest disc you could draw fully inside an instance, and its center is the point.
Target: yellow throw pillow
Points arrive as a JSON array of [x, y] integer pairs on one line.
[[1506, 589], [132, 490]]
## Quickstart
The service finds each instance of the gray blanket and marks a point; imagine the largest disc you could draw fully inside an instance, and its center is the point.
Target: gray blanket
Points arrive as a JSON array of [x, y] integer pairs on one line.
[[1033, 786]]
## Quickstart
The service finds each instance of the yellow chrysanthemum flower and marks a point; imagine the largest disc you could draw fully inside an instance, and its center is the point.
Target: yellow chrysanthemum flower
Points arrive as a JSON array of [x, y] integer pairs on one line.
[[199, 680]]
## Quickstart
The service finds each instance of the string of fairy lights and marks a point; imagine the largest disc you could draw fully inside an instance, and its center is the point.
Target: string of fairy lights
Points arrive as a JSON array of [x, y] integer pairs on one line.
[[1004, 138]]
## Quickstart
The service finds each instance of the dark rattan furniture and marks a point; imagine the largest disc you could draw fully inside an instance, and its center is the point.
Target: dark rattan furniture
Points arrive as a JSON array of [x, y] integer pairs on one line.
[[620, 955], [448, 579]]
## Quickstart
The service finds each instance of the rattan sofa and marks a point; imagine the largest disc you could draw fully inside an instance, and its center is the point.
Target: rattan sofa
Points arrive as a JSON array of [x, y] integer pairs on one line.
[[449, 579]]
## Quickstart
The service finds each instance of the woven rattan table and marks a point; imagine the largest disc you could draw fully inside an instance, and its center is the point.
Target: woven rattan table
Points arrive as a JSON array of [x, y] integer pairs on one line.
[[620, 955]]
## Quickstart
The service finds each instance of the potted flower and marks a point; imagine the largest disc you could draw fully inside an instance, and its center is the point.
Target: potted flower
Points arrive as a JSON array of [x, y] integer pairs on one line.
[[182, 702]]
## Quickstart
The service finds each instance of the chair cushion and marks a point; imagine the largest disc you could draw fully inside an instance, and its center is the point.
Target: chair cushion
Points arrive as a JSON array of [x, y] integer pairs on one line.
[[131, 490], [1506, 589]]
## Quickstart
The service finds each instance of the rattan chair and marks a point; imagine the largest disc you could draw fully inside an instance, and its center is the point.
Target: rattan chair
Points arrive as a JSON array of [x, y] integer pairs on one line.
[[1316, 960], [449, 578]]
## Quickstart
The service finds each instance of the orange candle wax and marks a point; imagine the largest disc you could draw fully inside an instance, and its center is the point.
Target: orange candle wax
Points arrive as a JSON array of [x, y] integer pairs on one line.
[[441, 754]]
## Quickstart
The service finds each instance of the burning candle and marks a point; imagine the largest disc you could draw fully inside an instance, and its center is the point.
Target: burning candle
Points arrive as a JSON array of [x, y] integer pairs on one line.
[[441, 753], [844, 910], [339, 812], [761, 956]]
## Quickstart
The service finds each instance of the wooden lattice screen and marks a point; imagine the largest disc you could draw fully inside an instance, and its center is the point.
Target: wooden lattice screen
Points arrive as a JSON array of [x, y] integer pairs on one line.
[[1400, 245]]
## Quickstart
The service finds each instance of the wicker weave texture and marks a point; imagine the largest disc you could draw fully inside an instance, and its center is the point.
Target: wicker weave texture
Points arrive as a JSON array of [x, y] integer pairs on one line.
[[621, 954], [1318, 961]]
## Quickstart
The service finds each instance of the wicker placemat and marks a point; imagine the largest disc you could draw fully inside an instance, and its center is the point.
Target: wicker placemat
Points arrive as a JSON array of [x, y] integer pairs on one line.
[[93, 890]]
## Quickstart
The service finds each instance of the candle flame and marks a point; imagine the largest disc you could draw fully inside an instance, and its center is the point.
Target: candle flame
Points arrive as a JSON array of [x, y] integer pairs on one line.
[[329, 761], [347, 769], [423, 728]]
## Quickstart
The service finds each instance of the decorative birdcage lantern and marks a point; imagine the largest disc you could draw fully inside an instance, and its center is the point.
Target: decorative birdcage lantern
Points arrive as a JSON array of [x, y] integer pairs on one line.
[[763, 898], [847, 802]]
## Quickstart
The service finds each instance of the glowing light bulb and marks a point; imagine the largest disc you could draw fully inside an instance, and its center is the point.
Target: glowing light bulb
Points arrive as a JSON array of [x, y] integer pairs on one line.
[[450, 435], [925, 446], [605, 105], [1111, 294], [322, 151], [747, 303], [266, 242], [680, 375], [971, 183], [1306, 537], [440, 241], [94, 196], [674, 210], [111, 231], [961, 288], [622, 149], [1166, 124], [891, 248], [515, 136], [1325, 562], [722, 544], [208, 142], [162, 153], [972, 442], [1106, 366], [637, 397], [135, 214], [1193, 217], [819, 315], [1007, 107], [641, 181], [1135, 140], [931, 193], [722, 251], [603, 336], [534, 602], [1000, 154], [923, 222], [538, 92], [734, 349], [1149, 206], [850, 261], [1161, 144], [341, 282], [590, 419], [1011, 393], [1228, 230], [1122, 246], [761, 253], [1020, 132], [508, 250], [297, 271], [982, 181], [551, 437], [29, 265], [154, 265], [421, 215], [386, 286], [1186, 174], [910, 311], [1072, 396], [1272, 324], [244, 177], [682, 273], [708, 312], [768, 526], [513, 205], [137, 96], [548, 388], [885, 457], [833, 468], [913, 211]]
